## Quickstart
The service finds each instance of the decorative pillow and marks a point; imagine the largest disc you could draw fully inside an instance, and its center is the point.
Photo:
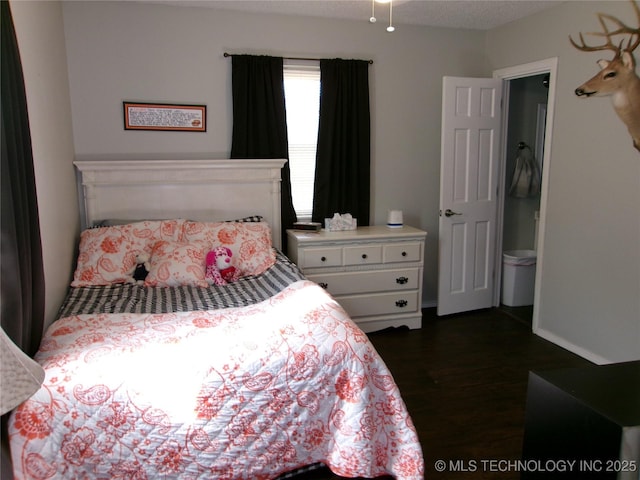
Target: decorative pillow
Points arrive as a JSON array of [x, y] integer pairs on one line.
[[249, 219], [250, 242], [177, 263], [112, 222], [108, 254]]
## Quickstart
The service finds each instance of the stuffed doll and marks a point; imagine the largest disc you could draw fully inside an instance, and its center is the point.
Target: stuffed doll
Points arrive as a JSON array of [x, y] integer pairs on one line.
[[141, 270], [220, 270]]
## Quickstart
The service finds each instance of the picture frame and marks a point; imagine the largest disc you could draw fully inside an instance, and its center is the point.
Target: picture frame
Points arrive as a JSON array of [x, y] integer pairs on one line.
[[165, 117]]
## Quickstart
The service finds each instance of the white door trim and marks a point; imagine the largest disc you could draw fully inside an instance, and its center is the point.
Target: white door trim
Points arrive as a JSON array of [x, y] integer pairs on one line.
[[550, 66]]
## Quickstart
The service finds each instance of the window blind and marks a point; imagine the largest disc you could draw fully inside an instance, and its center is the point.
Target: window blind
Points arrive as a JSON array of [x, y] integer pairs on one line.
[[302, 98]]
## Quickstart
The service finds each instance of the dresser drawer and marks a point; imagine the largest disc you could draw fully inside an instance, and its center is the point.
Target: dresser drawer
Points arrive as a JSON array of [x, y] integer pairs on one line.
[[362, 254], [380, 303], [402, 252], [321, 257], [374, 272], [346, 283]]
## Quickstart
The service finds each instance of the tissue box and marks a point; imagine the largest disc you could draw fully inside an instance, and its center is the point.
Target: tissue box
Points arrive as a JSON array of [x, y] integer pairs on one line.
[[340, 222]]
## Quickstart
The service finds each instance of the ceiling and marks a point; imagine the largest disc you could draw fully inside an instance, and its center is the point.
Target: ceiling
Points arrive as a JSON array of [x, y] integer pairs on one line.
[[472, 14]]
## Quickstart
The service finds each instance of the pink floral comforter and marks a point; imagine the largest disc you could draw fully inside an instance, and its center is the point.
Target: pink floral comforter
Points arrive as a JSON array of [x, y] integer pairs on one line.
[[239, 393]]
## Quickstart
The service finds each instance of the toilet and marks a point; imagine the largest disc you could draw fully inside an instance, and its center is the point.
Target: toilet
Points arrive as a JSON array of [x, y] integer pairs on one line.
[[519, 273]]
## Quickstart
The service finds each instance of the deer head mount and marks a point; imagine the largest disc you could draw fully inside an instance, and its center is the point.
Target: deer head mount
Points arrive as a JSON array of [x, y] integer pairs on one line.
[[617, 77]]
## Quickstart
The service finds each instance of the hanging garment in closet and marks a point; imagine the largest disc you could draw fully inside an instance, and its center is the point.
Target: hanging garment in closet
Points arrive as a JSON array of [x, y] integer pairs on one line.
[[526, 176]]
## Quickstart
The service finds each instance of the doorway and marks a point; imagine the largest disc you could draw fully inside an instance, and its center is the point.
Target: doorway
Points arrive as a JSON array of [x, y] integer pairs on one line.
[[526, 118], [529, 96], [473, 173]]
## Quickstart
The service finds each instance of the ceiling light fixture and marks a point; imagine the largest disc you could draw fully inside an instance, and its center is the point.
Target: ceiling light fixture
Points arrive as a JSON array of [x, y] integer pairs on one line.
[[373, 18]]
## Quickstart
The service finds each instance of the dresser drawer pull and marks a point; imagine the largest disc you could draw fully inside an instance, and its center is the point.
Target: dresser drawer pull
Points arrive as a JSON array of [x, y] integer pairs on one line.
[[324, 285], [404, 254], [401, 303], [364, 255], [323, 259], [402, 280]]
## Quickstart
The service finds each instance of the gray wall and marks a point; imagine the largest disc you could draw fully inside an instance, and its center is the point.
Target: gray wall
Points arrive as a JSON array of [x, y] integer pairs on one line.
[[590, 276], [40, 34], [590, 292], [123, 51]]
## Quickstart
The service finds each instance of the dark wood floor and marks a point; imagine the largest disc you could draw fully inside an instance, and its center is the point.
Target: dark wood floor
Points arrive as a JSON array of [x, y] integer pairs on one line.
[[464, 381]]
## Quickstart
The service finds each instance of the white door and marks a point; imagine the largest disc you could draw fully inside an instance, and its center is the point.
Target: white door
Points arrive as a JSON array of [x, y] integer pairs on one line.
[[469, 166]]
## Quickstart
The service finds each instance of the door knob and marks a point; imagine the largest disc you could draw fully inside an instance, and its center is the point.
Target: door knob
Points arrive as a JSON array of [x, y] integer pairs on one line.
[[449, 213]]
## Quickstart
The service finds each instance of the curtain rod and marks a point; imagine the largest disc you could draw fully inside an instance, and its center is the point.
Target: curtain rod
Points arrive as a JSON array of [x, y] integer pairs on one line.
[[294, 58]]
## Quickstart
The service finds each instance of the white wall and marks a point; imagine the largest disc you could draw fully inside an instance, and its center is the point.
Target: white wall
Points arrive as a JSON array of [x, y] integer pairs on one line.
[[590, 294], [122, 51], [590, 289], [40, 34]]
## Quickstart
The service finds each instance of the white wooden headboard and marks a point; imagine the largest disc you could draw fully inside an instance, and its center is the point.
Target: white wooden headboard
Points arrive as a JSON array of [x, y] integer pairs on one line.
[[202, 190]]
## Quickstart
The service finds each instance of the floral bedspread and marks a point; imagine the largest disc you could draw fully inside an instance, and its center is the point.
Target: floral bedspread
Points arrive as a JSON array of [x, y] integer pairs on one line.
[[238, 393]]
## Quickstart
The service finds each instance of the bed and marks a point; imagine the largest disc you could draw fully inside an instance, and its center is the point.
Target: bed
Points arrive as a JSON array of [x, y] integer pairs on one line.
[[171, 377]]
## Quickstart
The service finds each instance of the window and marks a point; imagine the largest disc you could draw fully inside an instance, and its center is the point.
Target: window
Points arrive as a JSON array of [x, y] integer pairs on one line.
[[302, 97]]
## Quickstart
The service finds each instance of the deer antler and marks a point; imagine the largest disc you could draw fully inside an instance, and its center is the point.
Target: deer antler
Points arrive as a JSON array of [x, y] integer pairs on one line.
[[622, 30]]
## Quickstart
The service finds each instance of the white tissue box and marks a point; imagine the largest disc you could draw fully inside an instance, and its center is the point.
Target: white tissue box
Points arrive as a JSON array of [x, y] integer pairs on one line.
[[340, 223]]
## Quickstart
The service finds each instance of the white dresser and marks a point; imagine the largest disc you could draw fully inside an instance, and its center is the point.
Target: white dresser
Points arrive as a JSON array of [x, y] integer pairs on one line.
[[374, 272]]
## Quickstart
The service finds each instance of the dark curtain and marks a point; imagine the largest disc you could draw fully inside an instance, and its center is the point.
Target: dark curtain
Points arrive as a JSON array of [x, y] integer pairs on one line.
[[259, 119], [342, 181], [22, 274]]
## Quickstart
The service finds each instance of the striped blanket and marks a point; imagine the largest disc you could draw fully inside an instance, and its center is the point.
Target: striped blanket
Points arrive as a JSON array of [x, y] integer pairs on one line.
[[132, 298]]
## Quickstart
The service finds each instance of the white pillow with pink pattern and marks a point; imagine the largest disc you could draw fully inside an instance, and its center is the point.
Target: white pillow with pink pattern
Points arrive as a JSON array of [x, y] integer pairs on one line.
[[249, 242], [108, 255], [177, 263]]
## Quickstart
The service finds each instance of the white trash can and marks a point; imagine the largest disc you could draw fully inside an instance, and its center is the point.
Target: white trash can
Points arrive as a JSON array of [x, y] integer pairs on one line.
[[518, 277]]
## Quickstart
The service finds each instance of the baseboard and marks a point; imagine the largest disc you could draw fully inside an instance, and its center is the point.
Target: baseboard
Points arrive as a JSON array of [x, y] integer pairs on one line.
[[555, 339], [573, 348], [429, 303]]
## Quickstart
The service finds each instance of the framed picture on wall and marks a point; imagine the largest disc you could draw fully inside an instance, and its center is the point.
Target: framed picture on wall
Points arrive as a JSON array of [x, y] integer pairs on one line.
[[165, 116]]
